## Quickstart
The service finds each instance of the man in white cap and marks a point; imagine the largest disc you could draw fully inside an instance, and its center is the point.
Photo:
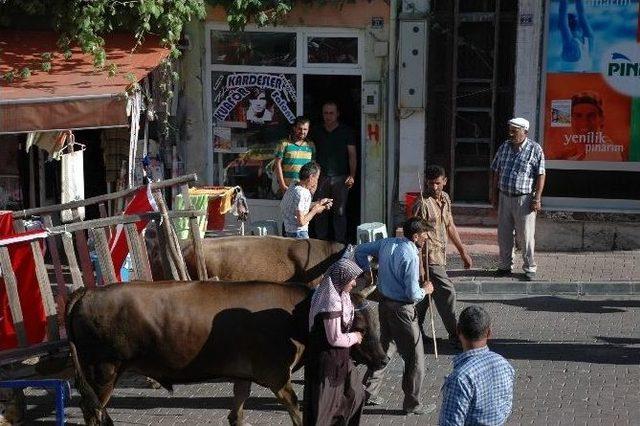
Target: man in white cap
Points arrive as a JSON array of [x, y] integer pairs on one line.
[[518, 175]]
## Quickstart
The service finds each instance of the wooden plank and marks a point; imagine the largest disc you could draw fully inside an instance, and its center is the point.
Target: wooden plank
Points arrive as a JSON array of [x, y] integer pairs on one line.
[[168, 265], [11, 287], [104, 255], [141, 268], [122, 219], [171, 237], [23, 239], [102, 198], [18, 226], [195, 235], [46, 293], [69, 250], [83, 252], [102, 208], [57, 265]]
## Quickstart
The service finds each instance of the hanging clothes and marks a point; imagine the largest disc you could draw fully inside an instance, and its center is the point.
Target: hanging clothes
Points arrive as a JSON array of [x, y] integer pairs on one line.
[[72, 185]]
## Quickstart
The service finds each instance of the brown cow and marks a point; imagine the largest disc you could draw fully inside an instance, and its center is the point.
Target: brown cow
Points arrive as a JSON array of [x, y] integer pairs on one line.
[[268, 258], [187, 332]]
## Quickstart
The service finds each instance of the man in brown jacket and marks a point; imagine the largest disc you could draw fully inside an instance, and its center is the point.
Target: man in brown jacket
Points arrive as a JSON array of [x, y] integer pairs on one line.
[[435, 208]]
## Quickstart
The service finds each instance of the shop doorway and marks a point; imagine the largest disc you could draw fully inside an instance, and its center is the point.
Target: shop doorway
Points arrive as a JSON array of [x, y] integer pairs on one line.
[[345, 90]]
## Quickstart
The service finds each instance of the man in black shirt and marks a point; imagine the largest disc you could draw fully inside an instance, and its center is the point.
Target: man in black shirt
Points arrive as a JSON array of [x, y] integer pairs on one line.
[[336, 154]]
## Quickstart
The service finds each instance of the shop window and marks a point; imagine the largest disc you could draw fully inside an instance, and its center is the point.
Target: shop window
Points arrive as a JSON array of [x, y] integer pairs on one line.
[[252, 113], [253, 48], [332, 50]]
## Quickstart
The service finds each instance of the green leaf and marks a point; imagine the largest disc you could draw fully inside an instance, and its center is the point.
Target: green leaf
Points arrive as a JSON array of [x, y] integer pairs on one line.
[[25, 73]]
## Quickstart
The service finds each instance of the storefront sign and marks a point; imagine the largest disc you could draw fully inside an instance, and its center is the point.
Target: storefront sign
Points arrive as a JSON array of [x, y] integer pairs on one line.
[[592, 102], [232, 89]]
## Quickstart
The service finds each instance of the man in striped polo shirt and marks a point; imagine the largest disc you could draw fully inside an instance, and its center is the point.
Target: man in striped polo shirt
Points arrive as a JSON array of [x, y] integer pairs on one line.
[[293, 153]]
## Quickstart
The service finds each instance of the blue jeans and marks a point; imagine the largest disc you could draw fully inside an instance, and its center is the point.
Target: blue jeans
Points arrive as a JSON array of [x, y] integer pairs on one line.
[[304, 235]]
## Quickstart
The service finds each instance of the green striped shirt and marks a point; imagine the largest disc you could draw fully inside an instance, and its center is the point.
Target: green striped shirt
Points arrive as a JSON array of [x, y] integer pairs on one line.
[[293, 157]]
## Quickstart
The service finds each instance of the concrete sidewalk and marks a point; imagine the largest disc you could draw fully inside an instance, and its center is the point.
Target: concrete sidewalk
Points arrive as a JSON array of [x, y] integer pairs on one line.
[[579, 273]]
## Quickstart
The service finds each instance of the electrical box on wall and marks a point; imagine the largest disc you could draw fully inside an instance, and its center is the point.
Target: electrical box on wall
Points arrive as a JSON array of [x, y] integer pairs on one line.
[[412, 65], [371, 97]]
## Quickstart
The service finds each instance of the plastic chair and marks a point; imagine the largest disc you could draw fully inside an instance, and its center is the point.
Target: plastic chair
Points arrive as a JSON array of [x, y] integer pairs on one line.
[[368, 232], [61, 387], [264, 227]]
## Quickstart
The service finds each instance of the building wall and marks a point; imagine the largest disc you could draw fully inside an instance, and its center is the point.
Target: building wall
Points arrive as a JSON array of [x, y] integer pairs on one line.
[[197, 138]]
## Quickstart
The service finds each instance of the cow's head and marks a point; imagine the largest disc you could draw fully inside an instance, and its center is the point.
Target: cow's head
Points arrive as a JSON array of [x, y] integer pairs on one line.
[[366, 321]]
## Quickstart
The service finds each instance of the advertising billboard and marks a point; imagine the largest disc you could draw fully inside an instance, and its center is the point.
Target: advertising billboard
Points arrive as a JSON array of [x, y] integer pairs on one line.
[[592, 98]]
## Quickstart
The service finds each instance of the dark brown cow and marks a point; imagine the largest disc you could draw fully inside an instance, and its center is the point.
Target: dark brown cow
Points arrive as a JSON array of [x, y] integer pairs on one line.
[[186, 332], [267, 258]]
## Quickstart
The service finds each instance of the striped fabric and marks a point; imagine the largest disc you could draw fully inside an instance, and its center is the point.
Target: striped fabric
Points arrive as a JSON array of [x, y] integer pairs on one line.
[[518, 169], [293, 157]]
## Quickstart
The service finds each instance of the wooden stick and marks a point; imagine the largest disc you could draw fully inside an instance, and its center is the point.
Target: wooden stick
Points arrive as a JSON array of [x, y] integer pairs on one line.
[[425, 259], [433, 327]]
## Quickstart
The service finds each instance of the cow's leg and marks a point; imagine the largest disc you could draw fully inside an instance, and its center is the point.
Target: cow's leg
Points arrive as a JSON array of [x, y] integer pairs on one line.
[[288, 398], [241, 391], [102, 379]]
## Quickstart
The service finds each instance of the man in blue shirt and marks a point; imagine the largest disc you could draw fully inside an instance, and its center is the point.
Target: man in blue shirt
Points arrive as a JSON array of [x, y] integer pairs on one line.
[[399, 287], [479, 390]]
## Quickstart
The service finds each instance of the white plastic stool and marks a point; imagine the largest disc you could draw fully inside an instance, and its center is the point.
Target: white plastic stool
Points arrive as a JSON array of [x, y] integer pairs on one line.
[[368, 232], [264, 227]]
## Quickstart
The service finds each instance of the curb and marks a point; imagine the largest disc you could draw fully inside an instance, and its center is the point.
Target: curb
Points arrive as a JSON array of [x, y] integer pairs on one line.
[[546, 288]]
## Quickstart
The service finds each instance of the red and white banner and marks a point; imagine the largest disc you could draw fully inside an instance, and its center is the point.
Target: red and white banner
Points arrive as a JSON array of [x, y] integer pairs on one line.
[[142, 202]]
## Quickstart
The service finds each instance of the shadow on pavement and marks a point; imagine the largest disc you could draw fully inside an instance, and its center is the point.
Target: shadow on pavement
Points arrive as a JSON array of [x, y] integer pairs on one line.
[[559, 304], [560, 351], [384, 411], [619, 340]]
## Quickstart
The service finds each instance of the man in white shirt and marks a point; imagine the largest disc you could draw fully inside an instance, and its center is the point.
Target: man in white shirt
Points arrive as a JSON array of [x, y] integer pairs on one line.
[[296, 206]]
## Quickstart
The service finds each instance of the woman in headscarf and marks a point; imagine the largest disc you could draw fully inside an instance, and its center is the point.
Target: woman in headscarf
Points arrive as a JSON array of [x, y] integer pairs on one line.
[[333, 390]]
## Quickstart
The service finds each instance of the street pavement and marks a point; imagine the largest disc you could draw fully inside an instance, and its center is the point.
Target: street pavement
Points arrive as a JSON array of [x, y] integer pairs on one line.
[[576, 360]]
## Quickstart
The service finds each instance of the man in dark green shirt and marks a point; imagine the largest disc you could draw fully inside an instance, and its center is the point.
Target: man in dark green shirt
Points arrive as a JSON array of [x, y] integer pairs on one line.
[[336, 154]]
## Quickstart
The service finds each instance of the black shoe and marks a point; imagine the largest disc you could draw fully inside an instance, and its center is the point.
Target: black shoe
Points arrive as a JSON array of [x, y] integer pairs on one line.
[[529, 276], [374, 400], [503, 272], [419, 410]]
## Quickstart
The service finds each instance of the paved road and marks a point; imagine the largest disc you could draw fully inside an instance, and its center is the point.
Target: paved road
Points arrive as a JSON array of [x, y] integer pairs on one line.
[[577, 362]]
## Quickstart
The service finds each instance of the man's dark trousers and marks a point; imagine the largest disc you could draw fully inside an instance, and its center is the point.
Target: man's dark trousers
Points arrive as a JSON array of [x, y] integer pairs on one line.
[[444, 297], [333, 187]]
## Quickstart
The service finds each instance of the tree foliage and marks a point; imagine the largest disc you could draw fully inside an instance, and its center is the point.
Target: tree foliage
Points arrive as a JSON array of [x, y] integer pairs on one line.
[[84, 23]]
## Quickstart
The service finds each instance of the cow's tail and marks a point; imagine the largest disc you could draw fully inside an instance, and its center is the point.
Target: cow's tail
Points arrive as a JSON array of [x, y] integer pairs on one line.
[[89, 397]]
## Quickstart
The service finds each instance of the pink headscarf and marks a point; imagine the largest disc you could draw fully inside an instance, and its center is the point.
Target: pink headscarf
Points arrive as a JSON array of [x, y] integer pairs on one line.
[[330, 297]]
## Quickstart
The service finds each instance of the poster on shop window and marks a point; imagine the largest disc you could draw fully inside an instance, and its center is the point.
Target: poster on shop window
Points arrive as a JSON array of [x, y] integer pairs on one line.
[[592, 89], [251, 108]]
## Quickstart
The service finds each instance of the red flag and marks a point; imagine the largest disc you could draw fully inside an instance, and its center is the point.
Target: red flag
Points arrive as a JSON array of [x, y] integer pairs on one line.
[[24, 267], [142, 202]]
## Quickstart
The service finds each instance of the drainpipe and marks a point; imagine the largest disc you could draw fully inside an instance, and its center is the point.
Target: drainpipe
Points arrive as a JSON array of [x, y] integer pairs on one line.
[[392, 128]]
